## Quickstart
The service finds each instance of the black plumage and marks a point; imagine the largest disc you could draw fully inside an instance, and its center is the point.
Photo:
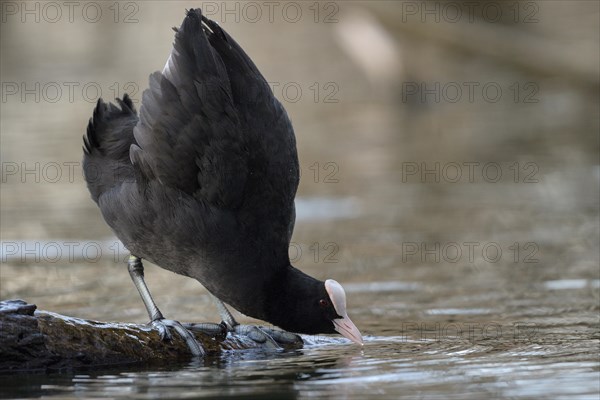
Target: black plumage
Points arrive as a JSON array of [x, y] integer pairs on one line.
[[203, 182]]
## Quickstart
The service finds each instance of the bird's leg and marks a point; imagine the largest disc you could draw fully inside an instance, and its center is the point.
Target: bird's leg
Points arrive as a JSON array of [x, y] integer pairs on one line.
[[136, 271], [263, 335], [227, 324], [225, 314]]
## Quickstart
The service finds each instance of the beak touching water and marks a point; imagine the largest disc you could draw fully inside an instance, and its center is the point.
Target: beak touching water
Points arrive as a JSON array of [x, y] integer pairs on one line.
[[344, 325], [347, 329]]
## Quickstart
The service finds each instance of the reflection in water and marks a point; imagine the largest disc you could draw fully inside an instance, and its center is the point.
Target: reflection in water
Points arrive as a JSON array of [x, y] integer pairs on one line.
[[387, 366], [507, 347]]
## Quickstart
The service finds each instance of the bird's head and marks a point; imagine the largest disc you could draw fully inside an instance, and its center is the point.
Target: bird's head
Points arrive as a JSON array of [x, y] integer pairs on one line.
[[310, 306]]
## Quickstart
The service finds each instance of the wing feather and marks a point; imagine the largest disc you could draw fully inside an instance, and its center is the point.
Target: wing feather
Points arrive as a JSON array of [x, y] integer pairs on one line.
[[190, 138]]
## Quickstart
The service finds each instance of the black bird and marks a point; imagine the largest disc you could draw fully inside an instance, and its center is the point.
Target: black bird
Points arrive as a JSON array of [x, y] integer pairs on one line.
[[203, 184]]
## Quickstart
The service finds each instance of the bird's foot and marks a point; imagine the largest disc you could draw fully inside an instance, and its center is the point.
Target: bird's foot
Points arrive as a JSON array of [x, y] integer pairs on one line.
[[283, 337], [163, 325], [217, 331], [270, 338], [267, 337]]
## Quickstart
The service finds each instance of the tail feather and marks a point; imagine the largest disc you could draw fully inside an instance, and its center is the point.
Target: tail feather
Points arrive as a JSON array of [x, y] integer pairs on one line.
[[107, 129], [106, 145]]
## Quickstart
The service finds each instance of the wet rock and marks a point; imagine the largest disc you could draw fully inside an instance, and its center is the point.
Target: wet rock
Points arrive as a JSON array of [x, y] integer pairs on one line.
[[33, 340]]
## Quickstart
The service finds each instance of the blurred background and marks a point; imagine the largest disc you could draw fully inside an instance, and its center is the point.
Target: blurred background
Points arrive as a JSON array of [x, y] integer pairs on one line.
[[449, 155]]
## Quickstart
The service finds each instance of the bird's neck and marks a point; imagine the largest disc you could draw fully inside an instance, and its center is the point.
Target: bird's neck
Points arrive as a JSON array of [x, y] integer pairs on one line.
[[289, 293]]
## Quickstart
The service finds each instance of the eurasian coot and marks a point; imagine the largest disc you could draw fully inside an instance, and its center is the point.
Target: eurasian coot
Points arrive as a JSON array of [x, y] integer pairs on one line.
[[203, 184]]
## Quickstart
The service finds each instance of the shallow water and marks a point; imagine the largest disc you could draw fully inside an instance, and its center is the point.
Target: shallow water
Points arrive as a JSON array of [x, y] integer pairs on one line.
[[484, 286], [433, 335], [385, 368]]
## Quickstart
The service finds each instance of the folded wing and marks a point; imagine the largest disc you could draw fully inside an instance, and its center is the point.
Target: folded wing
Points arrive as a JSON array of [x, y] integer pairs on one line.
[[211, 127], [189, 134]]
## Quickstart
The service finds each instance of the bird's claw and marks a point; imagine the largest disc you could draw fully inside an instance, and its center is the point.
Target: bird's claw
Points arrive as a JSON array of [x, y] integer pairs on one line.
[[270, 338], [163, 325], [257, 335], [283, 337], [162, 329]]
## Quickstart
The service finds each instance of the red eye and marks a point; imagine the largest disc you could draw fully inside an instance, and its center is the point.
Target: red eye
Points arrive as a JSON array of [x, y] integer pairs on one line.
[[323, 303]]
